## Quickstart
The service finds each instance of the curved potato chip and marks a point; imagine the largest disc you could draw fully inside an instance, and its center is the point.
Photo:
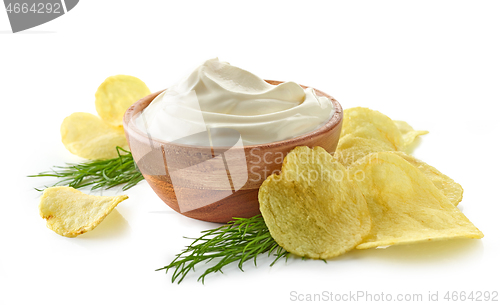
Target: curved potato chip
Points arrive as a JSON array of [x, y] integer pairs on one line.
[[351, 148], [312, 209], [116, 94], [370, 124], [405, 206], [452, 190], [408, 133], [70, 212], [87, 136]]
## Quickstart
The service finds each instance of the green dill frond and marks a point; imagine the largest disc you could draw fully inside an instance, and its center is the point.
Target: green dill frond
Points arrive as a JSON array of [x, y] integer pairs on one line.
[[240, 240], [98, 173]]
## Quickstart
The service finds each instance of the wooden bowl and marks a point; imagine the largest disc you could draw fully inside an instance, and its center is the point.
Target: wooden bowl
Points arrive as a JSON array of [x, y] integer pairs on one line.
[[262, 160]]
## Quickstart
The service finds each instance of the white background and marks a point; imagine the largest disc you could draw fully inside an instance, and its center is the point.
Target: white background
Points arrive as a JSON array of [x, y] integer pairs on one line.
[[434, 64]]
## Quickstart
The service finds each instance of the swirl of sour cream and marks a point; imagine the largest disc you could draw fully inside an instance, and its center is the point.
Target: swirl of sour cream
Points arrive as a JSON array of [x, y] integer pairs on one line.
[[218, 95]]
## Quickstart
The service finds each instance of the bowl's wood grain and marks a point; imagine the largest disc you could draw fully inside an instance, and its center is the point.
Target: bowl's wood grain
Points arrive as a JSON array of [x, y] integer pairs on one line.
[[243, 202]]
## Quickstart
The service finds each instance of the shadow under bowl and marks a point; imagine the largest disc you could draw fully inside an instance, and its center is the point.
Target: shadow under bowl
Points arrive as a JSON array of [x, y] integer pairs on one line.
[[216, 184]]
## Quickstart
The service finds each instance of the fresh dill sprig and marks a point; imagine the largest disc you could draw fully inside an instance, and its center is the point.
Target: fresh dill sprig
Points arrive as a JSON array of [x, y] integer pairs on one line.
[[98, 173], [240, 240]]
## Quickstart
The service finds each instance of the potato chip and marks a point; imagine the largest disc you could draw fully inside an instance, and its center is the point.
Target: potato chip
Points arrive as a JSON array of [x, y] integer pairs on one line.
[[452, 190], [70, 212], [87, 136], [116, 94], [408, 133], [351, 148], [312, 209], [370, 124], [404, 204], [365, 131]]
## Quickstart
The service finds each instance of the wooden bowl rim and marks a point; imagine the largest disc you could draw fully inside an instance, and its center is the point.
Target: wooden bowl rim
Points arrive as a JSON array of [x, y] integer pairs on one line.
[[332, 122]]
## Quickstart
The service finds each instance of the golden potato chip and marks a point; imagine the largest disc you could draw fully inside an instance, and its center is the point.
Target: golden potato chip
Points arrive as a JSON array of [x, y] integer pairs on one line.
[[116, 94], [452, 190], [70, 212], [351, 148], [370, 124], [404, 204], [312, 209], [408, 133], [87, 136]]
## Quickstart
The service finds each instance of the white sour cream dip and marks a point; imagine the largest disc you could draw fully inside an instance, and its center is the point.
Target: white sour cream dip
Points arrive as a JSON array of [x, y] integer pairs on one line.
[[218, 95]]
